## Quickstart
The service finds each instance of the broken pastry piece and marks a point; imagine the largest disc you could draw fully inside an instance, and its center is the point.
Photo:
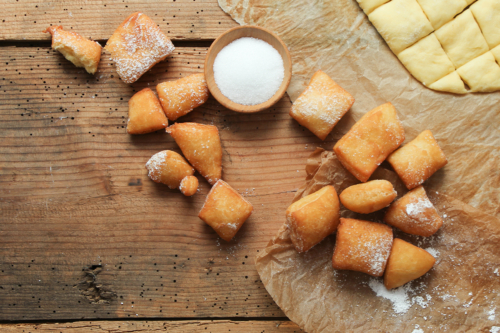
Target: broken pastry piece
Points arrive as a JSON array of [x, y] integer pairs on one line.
[[225, 210], [313, 217], [180, 97], [320, 107], [368, 197], [406, 263], [367, 144], [362, 246], [145, 114], [169, 168], [418, 160], [201, 146], [189, 185], [414, 214], [81, 51], [136, 46]]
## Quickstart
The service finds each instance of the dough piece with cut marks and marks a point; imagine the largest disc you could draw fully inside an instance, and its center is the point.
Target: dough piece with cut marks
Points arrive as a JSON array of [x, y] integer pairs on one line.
[[82, 52], [362, 246], [320, 107], [462, 39], [416, 161], [496, 53], [201, 146], [406, 263], [181, 96], [481, 74], [450, 83], [426, 60], [401, 23], [368, 197], [313, 217], [145, 114], [225, 210], [136, 46], [487, 15], [369, 6], [414, 214], [440, 12], [368, 143]]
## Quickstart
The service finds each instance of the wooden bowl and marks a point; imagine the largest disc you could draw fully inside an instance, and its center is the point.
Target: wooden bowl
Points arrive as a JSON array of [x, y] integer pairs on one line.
[[228, 37]]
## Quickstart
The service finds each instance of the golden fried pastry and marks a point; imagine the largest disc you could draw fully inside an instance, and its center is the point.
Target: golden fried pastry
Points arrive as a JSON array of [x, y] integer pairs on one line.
[[225, 210], [137, 45], [145, 114], [368, 197], [201, 146], [81, 51], [180, 97], [418, 160], [313, 217], [377, 134], [169, 168], [189, 185], [362, 246], [414, 214], [406, 262], [320, 107]]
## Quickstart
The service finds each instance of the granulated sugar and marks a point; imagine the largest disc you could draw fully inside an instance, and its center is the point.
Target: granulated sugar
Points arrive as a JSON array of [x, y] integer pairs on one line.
[[248, 71]]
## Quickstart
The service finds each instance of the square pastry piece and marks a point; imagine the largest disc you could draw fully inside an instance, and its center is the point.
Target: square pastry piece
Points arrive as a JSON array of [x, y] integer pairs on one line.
[[481, 74], [418, 160], [462, 39], [367, 144], [320, 107], [362, 246], [487, 14], [225, 210], [137, 45], [401, 23], [441, 12], [145, 114], [414, 214], [313, 217]]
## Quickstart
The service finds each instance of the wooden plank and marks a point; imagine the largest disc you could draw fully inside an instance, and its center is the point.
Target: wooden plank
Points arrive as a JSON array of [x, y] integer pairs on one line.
[[207, 326], [85, 234], [179, 19]]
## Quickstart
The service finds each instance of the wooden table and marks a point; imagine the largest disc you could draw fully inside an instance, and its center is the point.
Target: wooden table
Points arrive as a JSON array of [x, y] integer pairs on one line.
[[87, 241]]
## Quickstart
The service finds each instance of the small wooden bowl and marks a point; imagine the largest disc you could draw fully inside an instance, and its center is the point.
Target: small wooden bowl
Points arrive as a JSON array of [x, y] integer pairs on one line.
[[228, 37]]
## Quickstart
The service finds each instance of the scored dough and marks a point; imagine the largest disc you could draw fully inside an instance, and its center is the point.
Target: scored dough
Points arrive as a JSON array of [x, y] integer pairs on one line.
[[401, 23], [440, 12], [462, 39], [426, 60], [487, 14], [481, 74], [450, 83], [496, 53], [369, 6]]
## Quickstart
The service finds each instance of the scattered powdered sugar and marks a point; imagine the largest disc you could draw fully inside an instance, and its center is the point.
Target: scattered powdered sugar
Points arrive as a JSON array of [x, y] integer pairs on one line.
[[432, 252], [155, 165], [248, 71], [495, 329], [491, 314], [401, 301], [496, 272], [418, 207], [417, 329]]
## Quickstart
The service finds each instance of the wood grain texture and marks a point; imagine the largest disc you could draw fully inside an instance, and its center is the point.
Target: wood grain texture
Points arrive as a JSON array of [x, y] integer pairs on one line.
[[85, 234], [179, 19]]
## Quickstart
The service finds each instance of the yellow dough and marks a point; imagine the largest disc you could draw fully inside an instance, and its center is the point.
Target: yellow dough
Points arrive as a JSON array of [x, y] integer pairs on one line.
[[401, 23], [426, 60], [487, 14], [369, 6], [450, 83], [481, 74], [496, 53], [462, 39], [469, 1], [440, 12]]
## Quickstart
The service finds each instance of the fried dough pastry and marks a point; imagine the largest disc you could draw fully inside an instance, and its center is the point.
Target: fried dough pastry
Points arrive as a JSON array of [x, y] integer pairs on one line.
[[313, 217], [82, 52], [145, 114], [418, 160], [367, 144], [414, 214], [406, 263], [180, 97], [225, 210], [368, 197], [320, 107], [201, 146], [189, 185], [136, 46]]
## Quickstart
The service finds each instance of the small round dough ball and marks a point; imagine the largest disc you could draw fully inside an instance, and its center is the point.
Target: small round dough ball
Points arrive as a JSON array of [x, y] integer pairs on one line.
[[189, 185], [368, 197]]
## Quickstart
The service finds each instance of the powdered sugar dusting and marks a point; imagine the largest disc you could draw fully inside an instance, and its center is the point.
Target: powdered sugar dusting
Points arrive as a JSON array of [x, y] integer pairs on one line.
[[433, 252], [491, 314], [415, 208], [156, 164], [417, 329], [495, 329], [401, 301]]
